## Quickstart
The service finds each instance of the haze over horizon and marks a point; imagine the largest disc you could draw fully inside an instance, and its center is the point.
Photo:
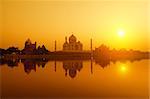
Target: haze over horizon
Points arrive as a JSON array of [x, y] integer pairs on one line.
[[117, 24]]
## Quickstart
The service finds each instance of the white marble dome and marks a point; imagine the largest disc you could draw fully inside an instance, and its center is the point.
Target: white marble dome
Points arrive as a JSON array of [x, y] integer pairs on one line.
[[72, 39]]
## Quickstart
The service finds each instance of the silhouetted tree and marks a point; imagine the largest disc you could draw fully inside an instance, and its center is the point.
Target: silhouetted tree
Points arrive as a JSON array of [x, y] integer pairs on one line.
[[11, 50], [2, 52], [102, 52]]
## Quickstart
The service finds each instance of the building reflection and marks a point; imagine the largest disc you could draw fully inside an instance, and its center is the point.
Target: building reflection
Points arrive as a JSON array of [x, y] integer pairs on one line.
[[30, 64], [10, 63], [102, 62], [41, 63], [72, 67], [13, 62]]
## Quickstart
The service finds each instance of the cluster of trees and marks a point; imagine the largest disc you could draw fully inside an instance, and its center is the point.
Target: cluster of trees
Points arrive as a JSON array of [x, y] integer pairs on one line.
[[128, 54], [15, 50], [104, 53], [9, 50]]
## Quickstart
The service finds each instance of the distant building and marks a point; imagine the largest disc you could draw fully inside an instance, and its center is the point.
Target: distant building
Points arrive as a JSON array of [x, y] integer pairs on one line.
[[72, 45], [29, 48], [41, 50]]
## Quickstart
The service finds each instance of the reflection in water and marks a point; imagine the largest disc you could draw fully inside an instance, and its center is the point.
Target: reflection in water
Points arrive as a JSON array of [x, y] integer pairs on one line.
[[122, 79], [30, 64], [72, 67], [123, 68], [55, 65], [11, 62], [103, 62]]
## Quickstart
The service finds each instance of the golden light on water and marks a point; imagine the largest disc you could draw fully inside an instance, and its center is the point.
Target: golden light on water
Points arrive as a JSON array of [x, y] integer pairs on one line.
[[123, 68]]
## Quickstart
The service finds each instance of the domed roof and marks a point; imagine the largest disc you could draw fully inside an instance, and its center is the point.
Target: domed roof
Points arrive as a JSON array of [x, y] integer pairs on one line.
[[72, 39], [28, 41], [72, 73], [65, 65]]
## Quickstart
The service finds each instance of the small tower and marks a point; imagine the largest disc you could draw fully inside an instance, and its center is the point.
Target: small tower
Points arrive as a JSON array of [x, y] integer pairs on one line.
[[91, 45], [66, 39], [55, 46], [35, 44], [91, 48]]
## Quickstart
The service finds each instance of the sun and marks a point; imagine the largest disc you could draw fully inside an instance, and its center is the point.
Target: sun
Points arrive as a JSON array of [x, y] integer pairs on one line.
[[123, 68], [121, 33]]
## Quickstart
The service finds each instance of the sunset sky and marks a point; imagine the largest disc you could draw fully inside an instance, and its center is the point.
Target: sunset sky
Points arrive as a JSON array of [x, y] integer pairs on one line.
[[116, 23]]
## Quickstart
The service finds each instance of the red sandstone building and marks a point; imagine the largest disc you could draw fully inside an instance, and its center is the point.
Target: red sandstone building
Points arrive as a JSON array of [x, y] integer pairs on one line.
[[29, 48]]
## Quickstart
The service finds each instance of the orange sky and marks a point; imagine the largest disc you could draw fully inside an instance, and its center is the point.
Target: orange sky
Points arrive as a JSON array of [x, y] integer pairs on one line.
[[45, 21]]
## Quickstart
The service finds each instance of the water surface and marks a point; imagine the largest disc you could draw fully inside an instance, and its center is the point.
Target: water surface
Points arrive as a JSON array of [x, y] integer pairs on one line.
[[76, 78]]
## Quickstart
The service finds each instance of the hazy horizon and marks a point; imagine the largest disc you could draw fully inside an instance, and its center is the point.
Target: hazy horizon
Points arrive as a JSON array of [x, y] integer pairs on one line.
[[47, 21], [73, 70]]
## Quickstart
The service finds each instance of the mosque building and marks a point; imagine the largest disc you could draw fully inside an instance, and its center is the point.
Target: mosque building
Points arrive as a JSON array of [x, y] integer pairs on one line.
[[29, 48], [72, 45]]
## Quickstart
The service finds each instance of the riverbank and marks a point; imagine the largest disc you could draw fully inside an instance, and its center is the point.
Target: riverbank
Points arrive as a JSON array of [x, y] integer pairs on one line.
[[52, 55]]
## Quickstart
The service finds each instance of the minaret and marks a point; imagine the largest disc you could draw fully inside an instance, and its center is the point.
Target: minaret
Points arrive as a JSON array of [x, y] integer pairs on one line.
[[91, 48], [55, 60], [35, 45], [55, 45], [91, 57], [66, 39], [91, 45]]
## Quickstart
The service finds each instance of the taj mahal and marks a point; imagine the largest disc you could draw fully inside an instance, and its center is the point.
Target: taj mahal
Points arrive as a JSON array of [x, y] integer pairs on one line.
[[72, 44]]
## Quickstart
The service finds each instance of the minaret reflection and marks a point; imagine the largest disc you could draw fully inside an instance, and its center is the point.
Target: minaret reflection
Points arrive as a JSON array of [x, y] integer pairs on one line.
[[91, 65], [55, 65], [72, 67]]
